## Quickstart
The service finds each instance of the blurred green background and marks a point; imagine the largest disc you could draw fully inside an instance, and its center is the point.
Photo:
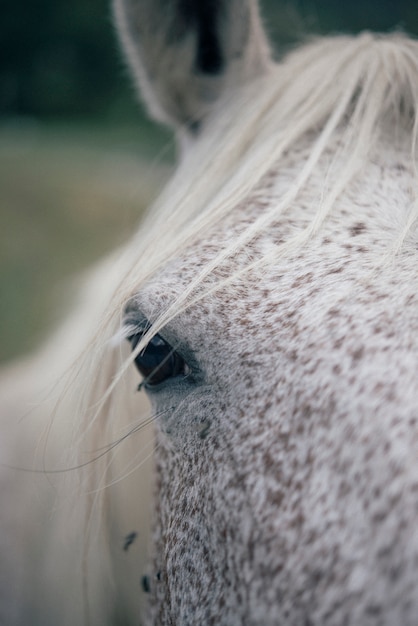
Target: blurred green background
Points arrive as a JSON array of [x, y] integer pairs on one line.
[[79, 161]]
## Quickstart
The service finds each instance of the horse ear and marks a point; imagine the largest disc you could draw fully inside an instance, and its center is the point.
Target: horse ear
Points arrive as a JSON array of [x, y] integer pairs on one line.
[[185, 54]]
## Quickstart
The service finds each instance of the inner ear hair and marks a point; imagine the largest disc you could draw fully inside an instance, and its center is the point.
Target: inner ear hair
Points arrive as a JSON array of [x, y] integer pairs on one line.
[[185, 54]]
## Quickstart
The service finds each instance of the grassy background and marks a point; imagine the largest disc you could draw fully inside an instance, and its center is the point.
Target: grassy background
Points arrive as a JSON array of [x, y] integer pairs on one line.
[[68, 193]]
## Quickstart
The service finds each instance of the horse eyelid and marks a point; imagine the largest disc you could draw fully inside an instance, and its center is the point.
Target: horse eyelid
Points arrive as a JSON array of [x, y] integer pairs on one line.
[[136, 324]]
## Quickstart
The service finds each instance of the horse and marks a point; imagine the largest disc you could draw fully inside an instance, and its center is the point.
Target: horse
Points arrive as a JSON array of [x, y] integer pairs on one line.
[[225, 431]]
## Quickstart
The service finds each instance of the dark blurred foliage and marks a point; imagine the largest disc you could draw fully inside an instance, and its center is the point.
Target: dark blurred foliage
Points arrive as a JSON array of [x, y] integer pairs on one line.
[[61, 58], [58, 58], [292, 20]]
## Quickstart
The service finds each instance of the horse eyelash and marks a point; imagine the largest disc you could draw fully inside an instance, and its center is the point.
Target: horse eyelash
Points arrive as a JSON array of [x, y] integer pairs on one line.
[[122, 334]]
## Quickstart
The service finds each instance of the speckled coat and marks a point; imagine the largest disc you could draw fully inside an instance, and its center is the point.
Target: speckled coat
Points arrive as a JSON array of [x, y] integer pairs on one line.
[[287, 466], [287, 472]]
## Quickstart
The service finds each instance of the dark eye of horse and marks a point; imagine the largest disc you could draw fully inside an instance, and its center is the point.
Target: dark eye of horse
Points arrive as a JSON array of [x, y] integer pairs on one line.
[[158, 361]]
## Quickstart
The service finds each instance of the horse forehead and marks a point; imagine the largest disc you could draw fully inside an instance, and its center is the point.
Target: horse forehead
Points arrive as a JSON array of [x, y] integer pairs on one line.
[[326, 310], [352, 242], [334, 284]]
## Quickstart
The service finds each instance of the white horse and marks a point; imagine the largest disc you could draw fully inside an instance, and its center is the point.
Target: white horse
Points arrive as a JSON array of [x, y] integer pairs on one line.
[[270, 301]]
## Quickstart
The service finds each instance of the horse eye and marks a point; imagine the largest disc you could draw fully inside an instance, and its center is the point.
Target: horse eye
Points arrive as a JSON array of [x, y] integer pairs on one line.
[[158, 361]]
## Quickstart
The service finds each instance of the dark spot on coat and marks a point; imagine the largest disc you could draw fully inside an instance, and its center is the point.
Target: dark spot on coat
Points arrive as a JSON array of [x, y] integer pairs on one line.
[[358, 354], [145, 584], [373, 609], [129, 539], [357, 229]]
